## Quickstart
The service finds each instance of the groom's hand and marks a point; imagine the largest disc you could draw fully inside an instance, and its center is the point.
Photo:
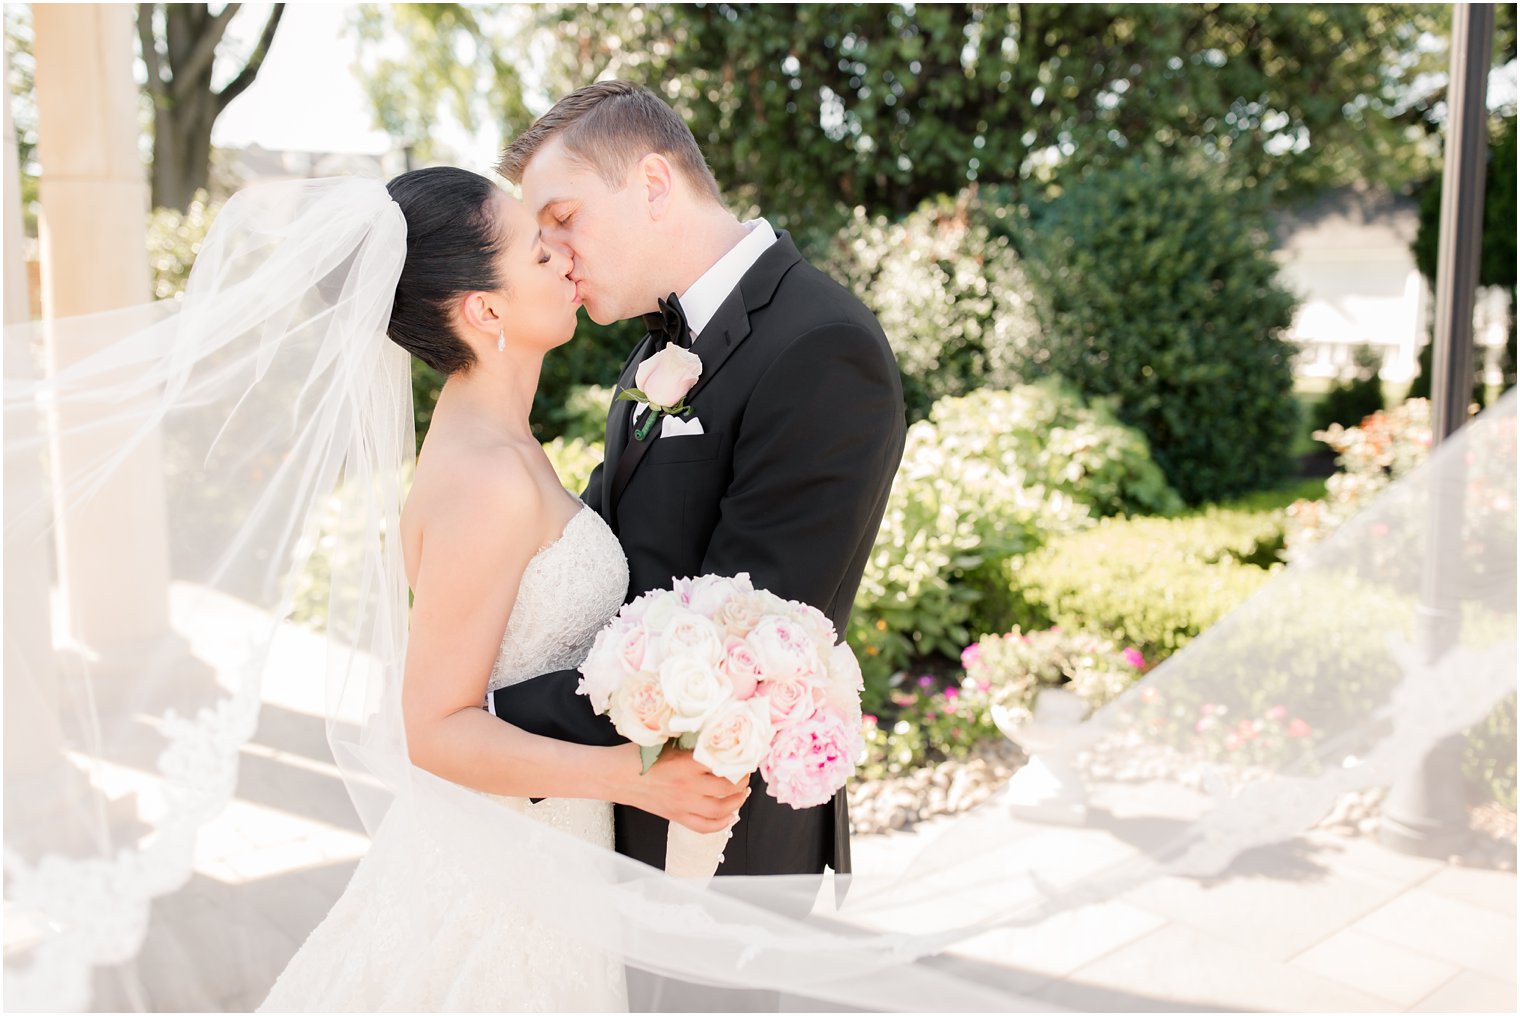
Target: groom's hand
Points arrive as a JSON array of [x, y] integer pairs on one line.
[[680, 789]]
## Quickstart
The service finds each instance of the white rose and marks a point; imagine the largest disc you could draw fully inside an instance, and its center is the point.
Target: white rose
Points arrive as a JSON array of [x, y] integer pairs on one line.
[[741, 613], [845, 685], [668, 375], [661, 611], [694, 688], [603, 670], [691, 634], [735, 738], [639, 711], [784, 650], [710, 592]]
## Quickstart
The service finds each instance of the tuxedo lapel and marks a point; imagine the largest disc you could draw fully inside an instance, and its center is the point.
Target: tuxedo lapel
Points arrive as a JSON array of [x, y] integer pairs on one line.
[[729, 327], [618, 423]]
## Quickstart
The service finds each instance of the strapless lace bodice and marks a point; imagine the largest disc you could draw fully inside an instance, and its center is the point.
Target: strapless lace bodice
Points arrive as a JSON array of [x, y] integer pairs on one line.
[[570, 590]]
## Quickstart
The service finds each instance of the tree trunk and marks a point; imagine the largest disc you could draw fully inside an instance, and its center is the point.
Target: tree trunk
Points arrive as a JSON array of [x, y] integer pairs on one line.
[[185, 106]]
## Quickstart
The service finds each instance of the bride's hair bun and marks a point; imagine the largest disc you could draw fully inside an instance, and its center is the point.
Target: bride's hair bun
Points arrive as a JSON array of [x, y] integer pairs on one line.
[[452, 239]]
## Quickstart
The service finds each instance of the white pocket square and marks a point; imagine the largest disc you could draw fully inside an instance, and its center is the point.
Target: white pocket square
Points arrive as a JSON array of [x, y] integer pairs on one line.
[[674, 426]]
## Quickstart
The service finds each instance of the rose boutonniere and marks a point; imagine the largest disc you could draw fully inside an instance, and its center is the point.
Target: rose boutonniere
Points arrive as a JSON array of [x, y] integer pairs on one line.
[[662, 383]]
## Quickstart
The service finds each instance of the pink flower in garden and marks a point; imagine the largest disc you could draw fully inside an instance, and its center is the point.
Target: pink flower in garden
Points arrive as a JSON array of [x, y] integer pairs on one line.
[[1246, 729], [1134, 658], [870, 719], [983, 684], [950, 708], [1276, 712], [971, 654], [1298, 728], [926, 681], [952, 692]]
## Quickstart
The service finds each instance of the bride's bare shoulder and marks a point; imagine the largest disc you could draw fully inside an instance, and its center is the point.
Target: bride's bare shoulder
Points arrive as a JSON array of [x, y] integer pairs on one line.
[[473, 487]]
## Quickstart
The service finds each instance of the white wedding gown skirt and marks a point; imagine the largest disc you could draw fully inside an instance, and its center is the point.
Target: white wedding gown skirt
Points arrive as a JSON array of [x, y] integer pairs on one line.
[[428, 923]]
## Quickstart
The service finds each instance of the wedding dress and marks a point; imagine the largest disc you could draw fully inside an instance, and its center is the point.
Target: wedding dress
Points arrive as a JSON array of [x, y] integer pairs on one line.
[[422, 926]]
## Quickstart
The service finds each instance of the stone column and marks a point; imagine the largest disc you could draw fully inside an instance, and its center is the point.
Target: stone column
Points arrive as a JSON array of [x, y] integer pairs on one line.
[[112, 551], [32, 745]]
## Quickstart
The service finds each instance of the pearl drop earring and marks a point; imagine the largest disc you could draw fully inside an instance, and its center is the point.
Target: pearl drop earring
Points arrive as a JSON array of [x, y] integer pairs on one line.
[[501, 340]]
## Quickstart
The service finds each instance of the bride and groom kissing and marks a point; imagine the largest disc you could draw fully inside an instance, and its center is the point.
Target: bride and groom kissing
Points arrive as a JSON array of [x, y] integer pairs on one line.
[[780, 468]]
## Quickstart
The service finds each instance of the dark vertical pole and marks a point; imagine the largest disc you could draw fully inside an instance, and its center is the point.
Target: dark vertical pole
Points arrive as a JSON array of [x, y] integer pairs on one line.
[[1422, 814]]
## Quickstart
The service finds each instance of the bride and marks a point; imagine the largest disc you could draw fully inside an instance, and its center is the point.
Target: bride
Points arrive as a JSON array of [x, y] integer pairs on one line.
[[511, 577]]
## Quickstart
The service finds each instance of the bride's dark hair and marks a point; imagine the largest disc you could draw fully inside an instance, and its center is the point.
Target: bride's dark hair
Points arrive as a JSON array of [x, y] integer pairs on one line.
[[452, 239]]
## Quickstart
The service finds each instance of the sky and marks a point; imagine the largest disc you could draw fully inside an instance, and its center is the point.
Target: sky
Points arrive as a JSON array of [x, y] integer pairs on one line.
[[307, 97]]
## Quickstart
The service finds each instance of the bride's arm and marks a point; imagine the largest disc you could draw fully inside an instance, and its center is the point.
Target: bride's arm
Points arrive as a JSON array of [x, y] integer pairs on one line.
[[475, 547]]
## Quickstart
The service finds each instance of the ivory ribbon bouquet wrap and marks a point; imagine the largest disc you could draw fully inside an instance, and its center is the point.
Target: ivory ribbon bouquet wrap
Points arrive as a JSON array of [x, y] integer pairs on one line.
[[742, 678]]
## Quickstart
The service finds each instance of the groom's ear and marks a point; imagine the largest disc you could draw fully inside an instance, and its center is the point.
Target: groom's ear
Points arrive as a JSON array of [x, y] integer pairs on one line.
[[657, 178]]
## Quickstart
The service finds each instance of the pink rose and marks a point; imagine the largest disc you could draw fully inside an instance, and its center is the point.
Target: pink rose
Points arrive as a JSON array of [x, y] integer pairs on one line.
[[631, 649], [640, 712], [668, 375], [971, 654], [810, 761], [1134, 658], [791, 698], [740, 667], [1276, 712], [1298, 728]]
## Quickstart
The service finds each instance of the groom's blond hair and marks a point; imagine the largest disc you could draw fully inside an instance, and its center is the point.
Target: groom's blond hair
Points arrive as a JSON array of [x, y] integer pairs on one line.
[[607, 127]]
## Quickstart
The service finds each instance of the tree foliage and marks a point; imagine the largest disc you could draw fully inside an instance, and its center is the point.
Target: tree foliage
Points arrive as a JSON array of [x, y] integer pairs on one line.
[[1154, 284], [810, 109], [179, 44], [452, 61]]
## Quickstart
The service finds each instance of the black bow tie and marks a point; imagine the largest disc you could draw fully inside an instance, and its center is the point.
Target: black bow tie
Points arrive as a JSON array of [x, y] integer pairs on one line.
[[668, 324]]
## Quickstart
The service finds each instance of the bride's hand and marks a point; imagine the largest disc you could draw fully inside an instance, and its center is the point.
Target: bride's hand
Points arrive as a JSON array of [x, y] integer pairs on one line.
[[681, 789]]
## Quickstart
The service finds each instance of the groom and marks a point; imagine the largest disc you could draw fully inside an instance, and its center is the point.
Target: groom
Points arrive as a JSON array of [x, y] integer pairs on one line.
[[783, 468]]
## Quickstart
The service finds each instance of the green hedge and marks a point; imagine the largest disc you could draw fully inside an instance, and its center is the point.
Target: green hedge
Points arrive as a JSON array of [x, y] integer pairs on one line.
[[1155, 283], [1153, 583]]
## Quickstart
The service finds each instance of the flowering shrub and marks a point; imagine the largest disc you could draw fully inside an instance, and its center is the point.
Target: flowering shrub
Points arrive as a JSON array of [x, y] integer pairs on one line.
[[952, 522], [927, 723], [1245, 735], [986, 478], [1386, 445], [1015, 666], [950, 296], [1061, 444]]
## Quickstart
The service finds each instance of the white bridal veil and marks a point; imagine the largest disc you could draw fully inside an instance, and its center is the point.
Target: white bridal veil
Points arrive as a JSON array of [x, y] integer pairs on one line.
[[199, 563]]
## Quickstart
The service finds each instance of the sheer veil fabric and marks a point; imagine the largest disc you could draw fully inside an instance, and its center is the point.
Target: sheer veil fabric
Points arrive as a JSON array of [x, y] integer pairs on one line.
[[278, 417]]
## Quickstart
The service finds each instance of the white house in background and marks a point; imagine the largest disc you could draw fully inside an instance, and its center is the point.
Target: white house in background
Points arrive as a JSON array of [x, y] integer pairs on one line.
[[1347, 256]]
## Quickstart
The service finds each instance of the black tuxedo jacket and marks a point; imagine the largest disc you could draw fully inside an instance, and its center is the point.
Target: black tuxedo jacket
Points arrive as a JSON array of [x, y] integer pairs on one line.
[[802, 411]]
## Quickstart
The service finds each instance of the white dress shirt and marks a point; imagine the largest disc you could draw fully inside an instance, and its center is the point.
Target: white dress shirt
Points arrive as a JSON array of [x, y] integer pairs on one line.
[[702, 300]]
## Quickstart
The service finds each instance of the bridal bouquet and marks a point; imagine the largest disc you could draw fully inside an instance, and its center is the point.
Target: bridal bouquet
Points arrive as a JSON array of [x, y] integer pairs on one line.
[[742, 678]]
